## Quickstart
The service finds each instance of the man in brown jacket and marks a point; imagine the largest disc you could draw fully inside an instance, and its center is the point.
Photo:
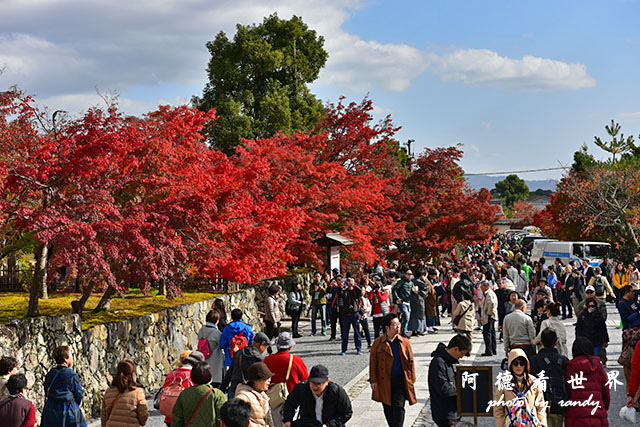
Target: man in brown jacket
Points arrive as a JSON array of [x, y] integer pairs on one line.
[[392, 372]]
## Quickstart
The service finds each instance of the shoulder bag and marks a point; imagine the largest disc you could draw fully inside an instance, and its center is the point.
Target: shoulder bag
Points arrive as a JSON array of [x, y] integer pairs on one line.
[[113, 405], [198, 407], [459, 317], [278, 393]]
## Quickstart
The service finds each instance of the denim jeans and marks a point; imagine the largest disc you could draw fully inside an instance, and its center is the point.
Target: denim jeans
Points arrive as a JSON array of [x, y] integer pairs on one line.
[[365, 329], [596, 350], [347, 322], [405, 312], [314, 314]]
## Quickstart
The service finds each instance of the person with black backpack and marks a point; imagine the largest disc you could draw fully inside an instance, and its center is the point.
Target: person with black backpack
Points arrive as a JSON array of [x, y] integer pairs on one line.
[[600, 284], [553, 367], [351, 306]]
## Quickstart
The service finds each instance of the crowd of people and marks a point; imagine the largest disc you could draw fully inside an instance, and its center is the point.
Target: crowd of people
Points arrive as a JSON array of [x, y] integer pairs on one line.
[[232, 379], [547, 380], [235, 378]]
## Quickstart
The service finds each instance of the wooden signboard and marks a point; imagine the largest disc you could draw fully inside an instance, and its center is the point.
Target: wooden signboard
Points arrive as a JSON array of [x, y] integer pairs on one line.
[[475, 391]]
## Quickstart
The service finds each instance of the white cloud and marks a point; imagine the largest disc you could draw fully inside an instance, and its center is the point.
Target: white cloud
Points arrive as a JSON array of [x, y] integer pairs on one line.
[[483, 67], [629, 116], [77, 104], [61, 50], [487, 125], [381, 111]]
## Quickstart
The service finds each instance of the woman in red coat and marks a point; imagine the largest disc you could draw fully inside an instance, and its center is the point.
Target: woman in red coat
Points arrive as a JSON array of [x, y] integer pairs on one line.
[[586, 382], [634, 378]]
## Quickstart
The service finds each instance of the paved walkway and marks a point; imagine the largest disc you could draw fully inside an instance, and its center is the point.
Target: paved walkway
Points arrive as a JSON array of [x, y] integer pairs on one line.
[[351, 371], [367, 413]]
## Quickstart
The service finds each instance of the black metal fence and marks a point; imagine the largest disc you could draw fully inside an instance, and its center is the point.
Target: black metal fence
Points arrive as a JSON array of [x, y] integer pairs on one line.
[[218, 284], [10, 279]]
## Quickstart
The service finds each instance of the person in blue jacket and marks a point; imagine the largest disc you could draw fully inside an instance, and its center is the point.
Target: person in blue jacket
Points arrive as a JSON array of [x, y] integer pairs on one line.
[[628, 308], [236, 327], [63, 393]]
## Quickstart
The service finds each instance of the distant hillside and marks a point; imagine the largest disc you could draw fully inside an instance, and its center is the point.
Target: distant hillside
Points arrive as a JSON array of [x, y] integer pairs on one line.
[[488, 182]]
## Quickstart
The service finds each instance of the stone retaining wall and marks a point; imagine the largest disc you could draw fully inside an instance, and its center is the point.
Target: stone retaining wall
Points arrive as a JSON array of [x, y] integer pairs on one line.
[[153, 342]]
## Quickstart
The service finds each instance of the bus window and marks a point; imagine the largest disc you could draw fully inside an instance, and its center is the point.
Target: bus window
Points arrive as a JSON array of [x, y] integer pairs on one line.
[[597, 251], [578, 250]]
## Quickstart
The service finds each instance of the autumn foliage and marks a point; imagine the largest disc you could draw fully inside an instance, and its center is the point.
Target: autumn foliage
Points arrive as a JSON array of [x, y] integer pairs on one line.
[[121, 200], [125, 199], [342, 178], [601, 202], [439, 210]]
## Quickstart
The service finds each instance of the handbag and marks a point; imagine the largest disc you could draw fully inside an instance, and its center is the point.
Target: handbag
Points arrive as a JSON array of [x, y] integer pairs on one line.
[[519, 415], [459, 317], [625, 356], [156, 399], [278, 393]]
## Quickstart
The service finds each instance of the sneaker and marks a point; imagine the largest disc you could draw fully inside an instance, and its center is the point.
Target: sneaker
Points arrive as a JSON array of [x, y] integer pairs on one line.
[[343, 354], [359, 353], [432, 332], [313, 334], [324, 334]]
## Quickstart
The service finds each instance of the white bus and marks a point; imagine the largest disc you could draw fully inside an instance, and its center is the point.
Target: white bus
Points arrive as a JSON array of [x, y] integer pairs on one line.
[[568, 251]]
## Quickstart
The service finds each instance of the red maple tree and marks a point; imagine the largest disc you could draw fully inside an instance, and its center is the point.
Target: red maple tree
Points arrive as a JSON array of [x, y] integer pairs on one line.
[[439, 210], [126, 200], [343, 178]]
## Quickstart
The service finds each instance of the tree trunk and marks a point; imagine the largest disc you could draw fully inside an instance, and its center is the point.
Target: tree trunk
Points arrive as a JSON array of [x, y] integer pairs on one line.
[[78, 305], [162, 288], [105, 301], [39, 282]]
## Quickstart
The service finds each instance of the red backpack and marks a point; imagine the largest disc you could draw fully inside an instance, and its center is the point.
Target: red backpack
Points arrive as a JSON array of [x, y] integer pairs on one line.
[[238, 342], [170, 394]]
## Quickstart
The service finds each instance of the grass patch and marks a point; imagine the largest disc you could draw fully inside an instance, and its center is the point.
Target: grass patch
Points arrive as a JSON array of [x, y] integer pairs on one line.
[[133, 304]]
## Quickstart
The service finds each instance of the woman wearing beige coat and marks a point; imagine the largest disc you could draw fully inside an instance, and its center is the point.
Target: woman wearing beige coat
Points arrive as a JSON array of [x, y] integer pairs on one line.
[[465, 309], [254, 393], [124, 403], [530, 403]]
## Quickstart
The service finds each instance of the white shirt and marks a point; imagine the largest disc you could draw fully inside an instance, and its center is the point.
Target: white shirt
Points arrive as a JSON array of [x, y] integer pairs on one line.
[[319, 406]]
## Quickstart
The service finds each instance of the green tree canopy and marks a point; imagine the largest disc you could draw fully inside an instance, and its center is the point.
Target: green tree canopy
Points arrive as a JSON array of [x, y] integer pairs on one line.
[[623, 146], [258, 81], [511, 189]]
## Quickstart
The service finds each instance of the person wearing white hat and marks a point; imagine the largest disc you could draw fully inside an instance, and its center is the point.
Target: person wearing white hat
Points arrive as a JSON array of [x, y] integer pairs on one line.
[[287, 368], [591, 293]]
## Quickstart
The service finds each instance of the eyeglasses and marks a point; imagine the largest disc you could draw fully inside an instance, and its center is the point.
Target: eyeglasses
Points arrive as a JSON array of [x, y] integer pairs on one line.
[[519, 362]]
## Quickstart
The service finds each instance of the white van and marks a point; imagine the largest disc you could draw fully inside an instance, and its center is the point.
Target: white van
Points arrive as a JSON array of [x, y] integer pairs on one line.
[[568, 251]]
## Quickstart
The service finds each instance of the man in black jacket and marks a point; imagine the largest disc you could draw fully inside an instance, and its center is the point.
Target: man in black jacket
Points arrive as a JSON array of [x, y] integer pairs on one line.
[[554, 365], [442, 380], [321, 402], [247, 356]]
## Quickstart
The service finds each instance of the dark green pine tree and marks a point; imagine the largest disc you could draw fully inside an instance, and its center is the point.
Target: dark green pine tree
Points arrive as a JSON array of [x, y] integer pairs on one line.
[[258, 82]]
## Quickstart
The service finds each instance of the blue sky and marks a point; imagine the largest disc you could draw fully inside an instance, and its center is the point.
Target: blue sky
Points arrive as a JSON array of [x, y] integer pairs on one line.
[[521, 84]]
